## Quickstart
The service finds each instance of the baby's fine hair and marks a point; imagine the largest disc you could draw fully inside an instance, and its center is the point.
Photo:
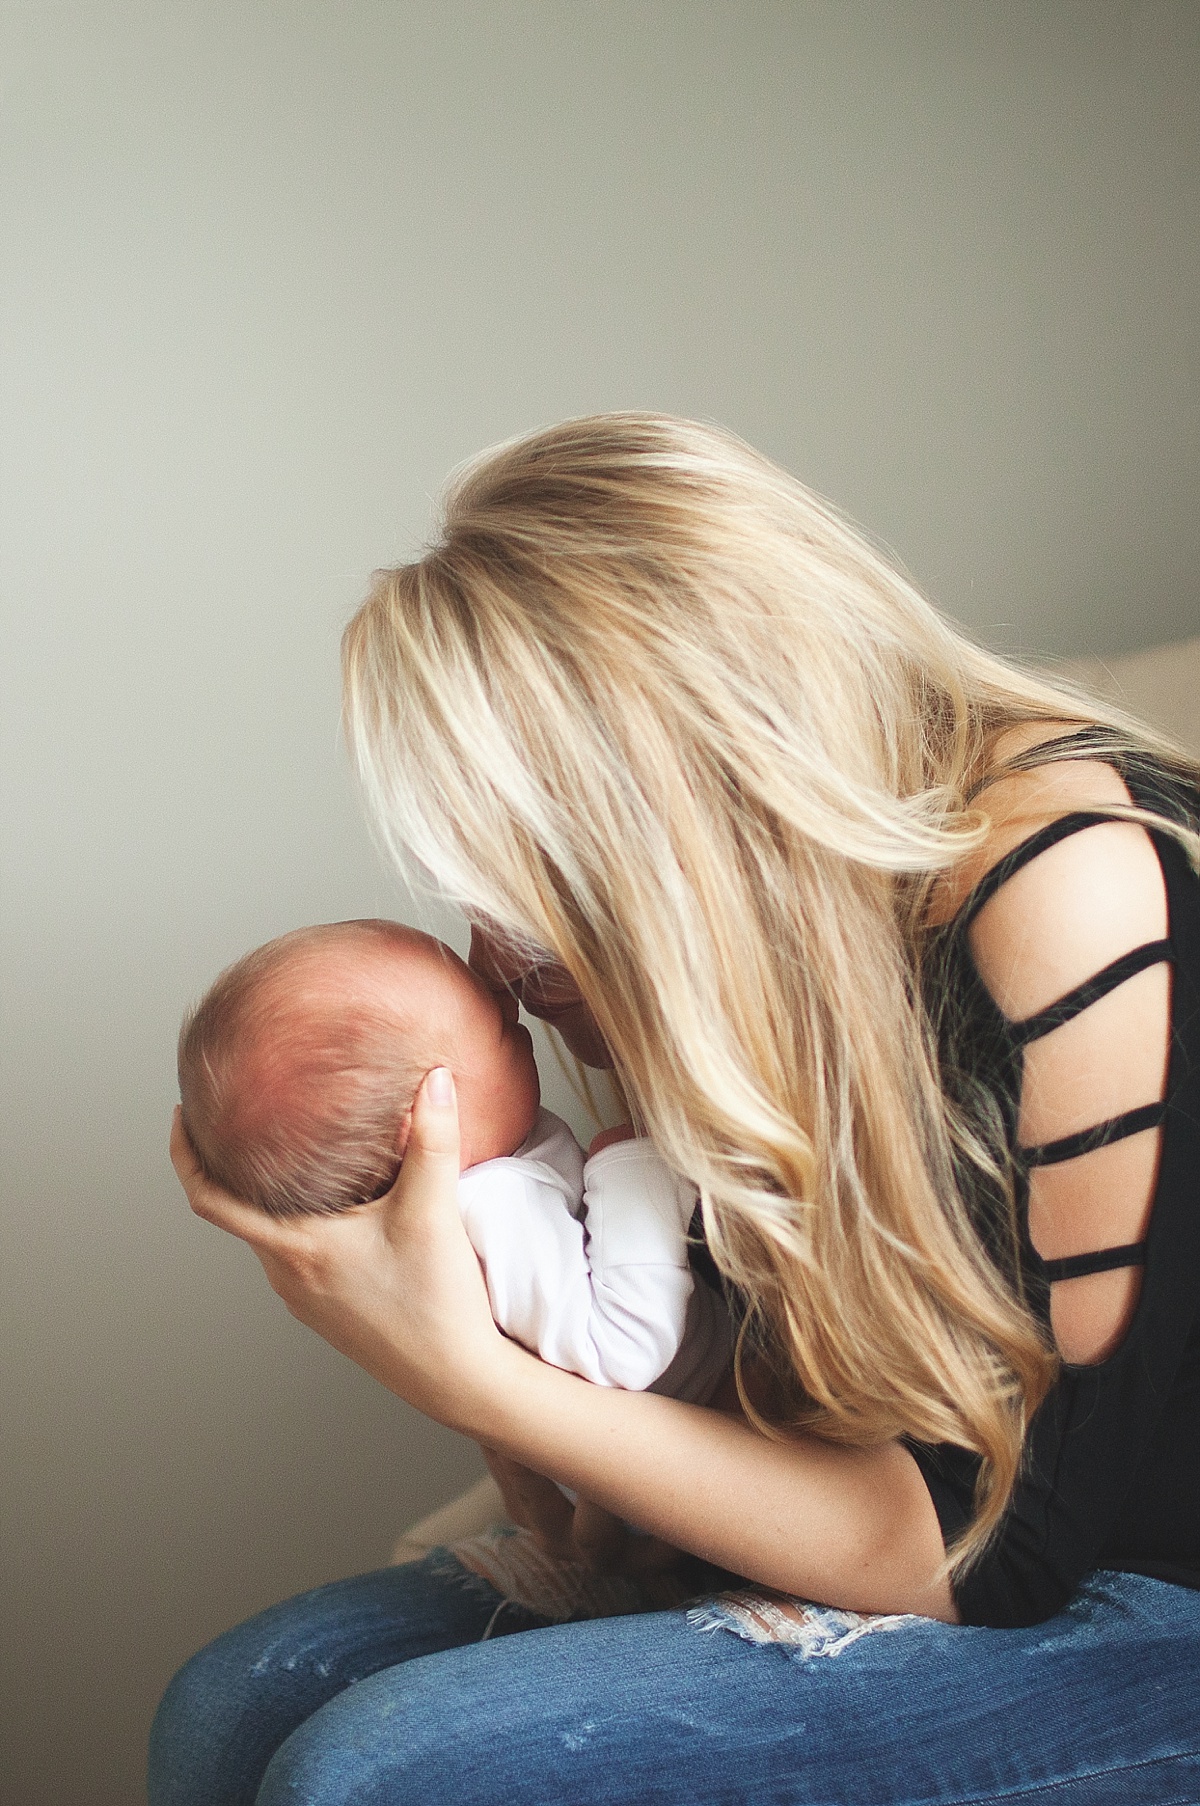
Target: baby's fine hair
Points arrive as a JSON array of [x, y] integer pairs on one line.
[[293, 1093]]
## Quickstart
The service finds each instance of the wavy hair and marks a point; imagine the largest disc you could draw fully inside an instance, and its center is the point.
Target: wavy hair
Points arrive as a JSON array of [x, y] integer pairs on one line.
[[657, 712]]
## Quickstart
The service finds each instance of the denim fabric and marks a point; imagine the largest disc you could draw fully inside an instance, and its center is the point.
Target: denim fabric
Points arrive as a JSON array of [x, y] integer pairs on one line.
[[403, 1686]]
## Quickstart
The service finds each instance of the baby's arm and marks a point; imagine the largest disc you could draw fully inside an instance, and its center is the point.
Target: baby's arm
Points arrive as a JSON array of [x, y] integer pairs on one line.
[[603, 1294]]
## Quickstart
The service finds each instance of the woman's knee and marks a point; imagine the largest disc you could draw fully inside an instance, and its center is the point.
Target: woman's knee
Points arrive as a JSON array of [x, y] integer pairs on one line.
[[193, 1730], [237, 1700], [383, 1739], [475, 1725]]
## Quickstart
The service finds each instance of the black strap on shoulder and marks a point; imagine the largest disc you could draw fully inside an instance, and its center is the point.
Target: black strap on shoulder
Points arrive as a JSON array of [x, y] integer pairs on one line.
[[1093, 741], [1117, 1128], [1021, 855], [1084, 995], [1104, 1260]]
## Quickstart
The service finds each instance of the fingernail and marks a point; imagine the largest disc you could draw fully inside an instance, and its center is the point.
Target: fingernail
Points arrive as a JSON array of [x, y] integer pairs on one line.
[[439, 1086]]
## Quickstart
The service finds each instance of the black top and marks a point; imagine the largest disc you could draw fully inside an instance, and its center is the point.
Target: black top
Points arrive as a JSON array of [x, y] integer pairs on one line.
[[1111, 1477]]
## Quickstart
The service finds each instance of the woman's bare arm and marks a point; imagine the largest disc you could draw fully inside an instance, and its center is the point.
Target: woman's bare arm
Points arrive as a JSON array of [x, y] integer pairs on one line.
[[849, 1527], [396, 1286]]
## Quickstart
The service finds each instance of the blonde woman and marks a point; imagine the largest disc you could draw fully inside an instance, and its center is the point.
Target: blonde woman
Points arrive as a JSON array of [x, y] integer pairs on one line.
[[896, 952]]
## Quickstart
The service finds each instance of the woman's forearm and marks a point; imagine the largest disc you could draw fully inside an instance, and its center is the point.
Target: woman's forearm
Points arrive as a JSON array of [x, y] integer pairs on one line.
[[850, 1527], [396, 1286]]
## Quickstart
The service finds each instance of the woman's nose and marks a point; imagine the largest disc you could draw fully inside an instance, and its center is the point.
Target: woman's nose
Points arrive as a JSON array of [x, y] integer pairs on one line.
[[545, 988], [496, 960]]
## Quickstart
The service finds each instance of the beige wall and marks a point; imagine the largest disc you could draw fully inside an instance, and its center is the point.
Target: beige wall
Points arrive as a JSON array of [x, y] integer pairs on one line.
[[269, 270], [1161, 685]]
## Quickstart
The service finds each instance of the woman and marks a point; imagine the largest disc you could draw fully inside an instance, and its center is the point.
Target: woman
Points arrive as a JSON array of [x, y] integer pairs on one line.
[[896, 952]]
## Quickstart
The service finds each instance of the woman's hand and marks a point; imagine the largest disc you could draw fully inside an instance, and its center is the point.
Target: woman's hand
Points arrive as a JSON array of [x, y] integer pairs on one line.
[[546, 991], [394, 1284]]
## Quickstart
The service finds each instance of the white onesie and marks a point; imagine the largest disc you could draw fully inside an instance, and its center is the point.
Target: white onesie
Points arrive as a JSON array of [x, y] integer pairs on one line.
[[587, 1263]]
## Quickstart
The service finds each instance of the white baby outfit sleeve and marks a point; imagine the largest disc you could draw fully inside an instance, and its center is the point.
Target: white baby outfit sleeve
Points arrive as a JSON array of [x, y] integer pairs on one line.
[[588, 1267]]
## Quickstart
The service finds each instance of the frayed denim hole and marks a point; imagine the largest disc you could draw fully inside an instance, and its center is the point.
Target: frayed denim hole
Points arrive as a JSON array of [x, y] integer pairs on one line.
[[804, 1630]]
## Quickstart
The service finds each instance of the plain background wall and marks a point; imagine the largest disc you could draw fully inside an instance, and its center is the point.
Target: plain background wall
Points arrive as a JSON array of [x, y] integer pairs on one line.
[[268, 271]]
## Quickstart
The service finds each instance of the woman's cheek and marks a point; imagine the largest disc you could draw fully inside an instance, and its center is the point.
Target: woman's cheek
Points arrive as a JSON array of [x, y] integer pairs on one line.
[[583, 1038]]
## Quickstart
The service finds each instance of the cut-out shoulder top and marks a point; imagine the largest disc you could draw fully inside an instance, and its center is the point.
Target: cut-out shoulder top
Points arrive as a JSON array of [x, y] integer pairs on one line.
[[1111, 1477]]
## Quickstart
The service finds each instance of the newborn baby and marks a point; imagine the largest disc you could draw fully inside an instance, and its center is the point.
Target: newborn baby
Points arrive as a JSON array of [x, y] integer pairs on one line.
[[297, 1074]]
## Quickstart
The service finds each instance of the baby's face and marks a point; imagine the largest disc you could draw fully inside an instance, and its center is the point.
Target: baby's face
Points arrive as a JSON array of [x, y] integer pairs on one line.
[[452, 1019]]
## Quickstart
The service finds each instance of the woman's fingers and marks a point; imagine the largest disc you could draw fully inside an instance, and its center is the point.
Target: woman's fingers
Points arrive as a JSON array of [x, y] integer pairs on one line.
[[428, 1176], [394, 1284], [183, 1154], [214, 1205]]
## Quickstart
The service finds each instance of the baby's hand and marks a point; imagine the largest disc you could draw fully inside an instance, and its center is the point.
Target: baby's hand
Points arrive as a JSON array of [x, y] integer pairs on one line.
[[624, 1131]]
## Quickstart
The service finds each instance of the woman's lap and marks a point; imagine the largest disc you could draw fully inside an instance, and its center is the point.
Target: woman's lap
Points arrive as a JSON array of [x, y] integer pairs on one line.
[[379, 1691], [228, 1710]]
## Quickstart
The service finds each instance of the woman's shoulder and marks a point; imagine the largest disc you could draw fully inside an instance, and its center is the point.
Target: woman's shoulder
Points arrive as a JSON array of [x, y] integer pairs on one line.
[[1020, 805], [1077, 902], [1071, 946]]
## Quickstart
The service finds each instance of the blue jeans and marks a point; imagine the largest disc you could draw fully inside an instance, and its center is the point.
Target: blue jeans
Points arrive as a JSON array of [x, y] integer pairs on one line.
[[421, 1684]]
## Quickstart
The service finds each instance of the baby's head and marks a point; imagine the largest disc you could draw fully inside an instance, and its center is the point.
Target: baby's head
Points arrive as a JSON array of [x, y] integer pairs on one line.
[[298, 1070]]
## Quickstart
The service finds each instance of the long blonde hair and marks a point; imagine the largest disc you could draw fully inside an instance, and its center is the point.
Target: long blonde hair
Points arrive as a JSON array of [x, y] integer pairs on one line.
[[657, 712]]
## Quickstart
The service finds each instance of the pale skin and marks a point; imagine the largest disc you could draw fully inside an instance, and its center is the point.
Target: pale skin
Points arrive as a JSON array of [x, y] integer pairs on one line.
[[396, 1286], [441, 1009]]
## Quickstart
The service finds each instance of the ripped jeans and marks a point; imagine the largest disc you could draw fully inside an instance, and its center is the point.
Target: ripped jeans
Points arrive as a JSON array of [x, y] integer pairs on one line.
[[424, 1683]]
